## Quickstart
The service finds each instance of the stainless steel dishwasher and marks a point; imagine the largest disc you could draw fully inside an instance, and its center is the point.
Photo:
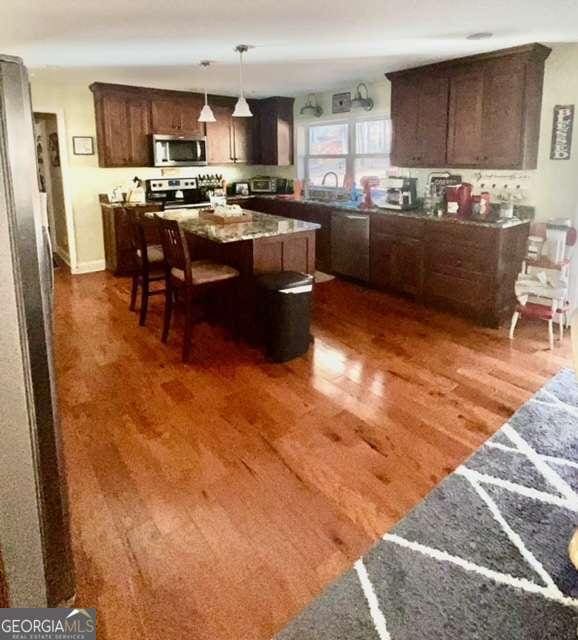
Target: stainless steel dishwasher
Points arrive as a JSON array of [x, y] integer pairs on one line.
[[350, 244]]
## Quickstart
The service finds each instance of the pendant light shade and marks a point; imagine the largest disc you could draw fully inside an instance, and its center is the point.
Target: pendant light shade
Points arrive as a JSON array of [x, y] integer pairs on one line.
[[206, 114], [242, 109]]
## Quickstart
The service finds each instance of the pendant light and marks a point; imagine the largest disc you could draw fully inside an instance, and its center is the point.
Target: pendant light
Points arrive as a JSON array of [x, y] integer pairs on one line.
[[242, 109], [206, 114]]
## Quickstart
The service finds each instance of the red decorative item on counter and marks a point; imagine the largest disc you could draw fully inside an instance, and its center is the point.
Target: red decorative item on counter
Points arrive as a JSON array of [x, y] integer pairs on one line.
[[368, 182], [464, 198]]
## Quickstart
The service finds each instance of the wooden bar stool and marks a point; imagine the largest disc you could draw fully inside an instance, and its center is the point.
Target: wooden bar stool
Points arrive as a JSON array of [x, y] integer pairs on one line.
[[146, 243], [192, 278]]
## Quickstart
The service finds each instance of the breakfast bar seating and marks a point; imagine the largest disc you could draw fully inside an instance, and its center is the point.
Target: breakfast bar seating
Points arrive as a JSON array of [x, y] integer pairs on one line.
[[149, 258], [192, 278]]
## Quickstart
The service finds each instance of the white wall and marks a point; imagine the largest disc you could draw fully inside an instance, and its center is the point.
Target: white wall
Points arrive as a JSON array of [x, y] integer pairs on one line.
[[87, 179], [553, 187]]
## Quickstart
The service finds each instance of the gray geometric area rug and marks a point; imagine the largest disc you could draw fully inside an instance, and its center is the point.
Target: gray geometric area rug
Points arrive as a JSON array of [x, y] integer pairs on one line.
[[485, 555]]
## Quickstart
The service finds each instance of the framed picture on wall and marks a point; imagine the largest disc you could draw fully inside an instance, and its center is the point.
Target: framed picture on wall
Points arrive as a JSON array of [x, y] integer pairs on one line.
[[83, 145], [341, 102]]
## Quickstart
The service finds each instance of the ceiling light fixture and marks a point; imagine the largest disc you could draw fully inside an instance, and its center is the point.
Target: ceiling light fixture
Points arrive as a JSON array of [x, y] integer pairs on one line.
[[482, 35], [366, 102], [242, 109], [206, 114]]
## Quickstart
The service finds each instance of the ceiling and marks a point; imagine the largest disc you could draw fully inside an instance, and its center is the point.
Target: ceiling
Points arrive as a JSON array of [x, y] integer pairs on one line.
[[300, 45]]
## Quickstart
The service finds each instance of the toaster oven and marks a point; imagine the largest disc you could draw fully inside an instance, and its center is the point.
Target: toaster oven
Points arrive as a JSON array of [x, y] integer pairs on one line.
[[262, 184]]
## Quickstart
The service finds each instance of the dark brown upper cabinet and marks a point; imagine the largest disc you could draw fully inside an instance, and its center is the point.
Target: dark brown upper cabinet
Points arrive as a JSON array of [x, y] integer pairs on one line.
[[476, 112], [273, 131], [127, 116], [466, 114], [177, 114], [229, 140], [419, 108], [123, 127]]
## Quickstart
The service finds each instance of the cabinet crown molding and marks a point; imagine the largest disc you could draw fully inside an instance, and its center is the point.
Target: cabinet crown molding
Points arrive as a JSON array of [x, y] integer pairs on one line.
[[106, 87], [534, 52]]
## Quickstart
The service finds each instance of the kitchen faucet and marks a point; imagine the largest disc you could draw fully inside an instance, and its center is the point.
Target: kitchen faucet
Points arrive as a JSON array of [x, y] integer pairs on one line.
[[329, 173]]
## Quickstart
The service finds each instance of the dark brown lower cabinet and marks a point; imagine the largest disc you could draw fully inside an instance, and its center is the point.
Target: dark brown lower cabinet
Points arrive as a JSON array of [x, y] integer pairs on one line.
[[465, 268], [297, 210], [397, 253], [118, 250]]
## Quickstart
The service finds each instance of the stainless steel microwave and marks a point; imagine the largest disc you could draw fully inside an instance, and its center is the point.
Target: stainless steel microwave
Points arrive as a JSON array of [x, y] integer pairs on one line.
[[179, 151]]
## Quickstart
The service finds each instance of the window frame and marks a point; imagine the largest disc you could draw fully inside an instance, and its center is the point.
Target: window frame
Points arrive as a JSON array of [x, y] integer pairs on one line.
[[352, 154]]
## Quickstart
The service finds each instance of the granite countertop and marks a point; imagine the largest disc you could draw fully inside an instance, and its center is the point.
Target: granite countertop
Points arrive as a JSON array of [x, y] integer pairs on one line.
[[419, 214], [125, 205], [502, 223], [263, 225]]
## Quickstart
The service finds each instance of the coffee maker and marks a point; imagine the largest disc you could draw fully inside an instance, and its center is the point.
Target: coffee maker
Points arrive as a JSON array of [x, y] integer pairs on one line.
[[400, 193]]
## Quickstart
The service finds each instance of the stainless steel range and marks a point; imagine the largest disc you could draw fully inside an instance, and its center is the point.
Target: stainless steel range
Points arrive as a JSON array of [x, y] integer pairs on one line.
[[179, 193]]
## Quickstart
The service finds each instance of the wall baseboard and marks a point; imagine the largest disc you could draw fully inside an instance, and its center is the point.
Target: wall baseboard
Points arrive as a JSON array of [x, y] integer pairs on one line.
[[62, 254], [89, 267]]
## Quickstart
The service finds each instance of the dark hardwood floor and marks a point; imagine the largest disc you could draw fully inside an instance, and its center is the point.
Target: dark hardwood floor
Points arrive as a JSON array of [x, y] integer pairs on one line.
[[214, 500]]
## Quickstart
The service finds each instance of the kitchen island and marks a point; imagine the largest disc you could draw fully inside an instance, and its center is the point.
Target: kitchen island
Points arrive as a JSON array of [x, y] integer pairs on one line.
[[265, 243]]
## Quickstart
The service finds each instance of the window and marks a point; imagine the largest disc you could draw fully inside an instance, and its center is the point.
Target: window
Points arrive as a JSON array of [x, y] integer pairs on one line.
[[343, 153], [330, 170], [369, 166], [328, 140]]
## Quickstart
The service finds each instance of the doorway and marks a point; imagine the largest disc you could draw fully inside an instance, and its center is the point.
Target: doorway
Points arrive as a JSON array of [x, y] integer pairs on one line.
[[47, 137]]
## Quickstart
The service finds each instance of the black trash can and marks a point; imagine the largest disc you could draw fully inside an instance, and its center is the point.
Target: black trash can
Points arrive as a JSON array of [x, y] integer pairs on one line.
[[285, 308]]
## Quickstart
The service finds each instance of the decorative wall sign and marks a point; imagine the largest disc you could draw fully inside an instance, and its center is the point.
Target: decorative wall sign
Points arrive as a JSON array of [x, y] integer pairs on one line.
[[562, 132], [341, 102], [83, 145]]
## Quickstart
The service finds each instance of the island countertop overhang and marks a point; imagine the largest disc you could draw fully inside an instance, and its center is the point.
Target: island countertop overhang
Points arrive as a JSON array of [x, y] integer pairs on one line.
[[262, 225]]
